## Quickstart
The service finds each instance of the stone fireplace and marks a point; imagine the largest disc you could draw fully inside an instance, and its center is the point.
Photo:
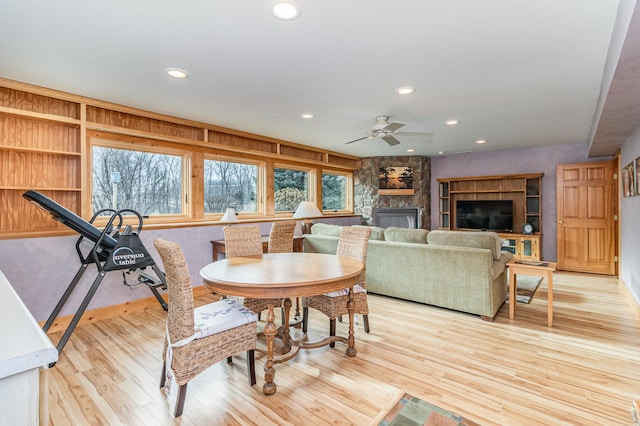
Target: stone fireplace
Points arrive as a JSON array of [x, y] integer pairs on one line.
[[367, 198], [400, 217]]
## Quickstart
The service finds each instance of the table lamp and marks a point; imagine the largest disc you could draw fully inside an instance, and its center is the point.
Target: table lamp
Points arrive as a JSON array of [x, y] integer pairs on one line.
[[305, 210], [229, 215]]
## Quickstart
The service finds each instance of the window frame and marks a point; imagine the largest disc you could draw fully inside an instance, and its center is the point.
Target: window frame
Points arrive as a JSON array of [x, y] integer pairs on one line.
[[312, 193], [260, 186], [185, 184], [348, 191]]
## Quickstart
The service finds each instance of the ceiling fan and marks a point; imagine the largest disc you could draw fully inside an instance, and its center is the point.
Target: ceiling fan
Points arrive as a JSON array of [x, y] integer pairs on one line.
[[387, 131]]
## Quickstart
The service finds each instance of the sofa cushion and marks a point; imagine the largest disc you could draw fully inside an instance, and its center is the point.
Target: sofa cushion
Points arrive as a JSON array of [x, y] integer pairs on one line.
[[484, 240], [377, 233], [406, 235], [326, 230]]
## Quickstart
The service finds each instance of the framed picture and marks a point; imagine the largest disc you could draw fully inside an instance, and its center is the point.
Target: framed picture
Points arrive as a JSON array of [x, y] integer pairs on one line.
[[637, 177], [396, 181], [629, 179]]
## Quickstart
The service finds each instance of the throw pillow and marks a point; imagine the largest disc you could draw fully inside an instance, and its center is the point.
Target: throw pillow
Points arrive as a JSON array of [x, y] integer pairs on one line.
[[326, 229], [377, 233], [484, 240], [406, 235]]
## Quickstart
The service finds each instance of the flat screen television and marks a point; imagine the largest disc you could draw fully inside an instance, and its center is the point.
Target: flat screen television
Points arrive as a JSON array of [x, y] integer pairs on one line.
[[486, 215]]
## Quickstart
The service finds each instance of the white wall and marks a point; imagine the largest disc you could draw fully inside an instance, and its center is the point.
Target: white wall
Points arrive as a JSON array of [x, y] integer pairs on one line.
[[629, 225]]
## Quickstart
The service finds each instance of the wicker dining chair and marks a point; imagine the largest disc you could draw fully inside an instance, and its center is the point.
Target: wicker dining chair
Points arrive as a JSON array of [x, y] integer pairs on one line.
[[353, 243], [281, 236], [246, 241], [197, 338]]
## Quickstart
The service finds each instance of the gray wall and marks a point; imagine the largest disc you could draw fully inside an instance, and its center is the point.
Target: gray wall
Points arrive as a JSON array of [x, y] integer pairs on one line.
[[514, 161], [629, 228], [40, 269]]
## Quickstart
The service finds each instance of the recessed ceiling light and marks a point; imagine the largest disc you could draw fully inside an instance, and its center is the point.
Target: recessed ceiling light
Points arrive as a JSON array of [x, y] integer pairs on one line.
[[405, 90], [410, 150], [306, 115], [481, 141], [441, 152], [177, 73], [287, 10], [451, 122]]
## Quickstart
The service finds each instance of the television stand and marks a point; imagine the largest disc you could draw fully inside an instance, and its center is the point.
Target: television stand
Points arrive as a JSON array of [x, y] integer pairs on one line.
[[524, 247]]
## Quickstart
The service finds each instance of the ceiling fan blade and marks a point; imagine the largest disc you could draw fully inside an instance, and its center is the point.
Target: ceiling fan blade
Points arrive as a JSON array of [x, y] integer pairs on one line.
[[391, 140], [418, 134], [393, 126], [359, 139]]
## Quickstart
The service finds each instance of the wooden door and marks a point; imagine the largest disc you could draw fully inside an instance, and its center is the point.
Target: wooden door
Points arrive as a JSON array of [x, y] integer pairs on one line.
[[585, 216]]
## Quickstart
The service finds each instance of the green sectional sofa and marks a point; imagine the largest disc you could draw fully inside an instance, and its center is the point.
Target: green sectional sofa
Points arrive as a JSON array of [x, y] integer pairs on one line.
[[464, 271]]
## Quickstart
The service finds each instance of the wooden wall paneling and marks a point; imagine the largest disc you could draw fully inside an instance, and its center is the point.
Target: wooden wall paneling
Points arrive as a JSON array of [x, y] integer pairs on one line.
[[268, 203], [291, 151], [84, 171], [25, 101], [144, 124], [196, 173]]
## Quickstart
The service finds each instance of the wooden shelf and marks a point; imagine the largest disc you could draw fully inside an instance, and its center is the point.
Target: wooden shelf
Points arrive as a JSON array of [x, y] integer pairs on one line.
[[395, 192], [39, 151], [40, 116], [27, 188], [524, 190]]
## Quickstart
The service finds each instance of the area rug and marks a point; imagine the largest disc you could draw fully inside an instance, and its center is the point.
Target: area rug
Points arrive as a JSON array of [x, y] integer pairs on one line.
[[412, 411], [527, 286]]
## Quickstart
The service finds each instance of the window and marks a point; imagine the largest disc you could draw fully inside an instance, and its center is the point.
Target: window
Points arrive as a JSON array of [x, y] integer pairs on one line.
[[335, 191], [291, 186], [229, 184], [147, 182]]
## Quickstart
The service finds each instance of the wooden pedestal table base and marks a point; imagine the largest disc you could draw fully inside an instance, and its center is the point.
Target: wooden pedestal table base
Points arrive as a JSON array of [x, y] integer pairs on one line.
[[536, 269], [286, 275]]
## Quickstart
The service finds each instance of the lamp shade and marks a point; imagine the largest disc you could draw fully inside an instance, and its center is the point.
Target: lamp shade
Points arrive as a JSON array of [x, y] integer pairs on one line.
[[307, 209], [229, 215]]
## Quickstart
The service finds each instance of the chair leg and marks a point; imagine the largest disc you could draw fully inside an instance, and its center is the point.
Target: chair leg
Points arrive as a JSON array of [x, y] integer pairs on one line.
[[305, 319], [366, 323], [182, 394], [251, 366], [163, 377], [332, 331], [229, 360]]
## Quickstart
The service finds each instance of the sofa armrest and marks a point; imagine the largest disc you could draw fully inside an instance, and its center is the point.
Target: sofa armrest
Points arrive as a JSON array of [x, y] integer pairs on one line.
[[500, 265]]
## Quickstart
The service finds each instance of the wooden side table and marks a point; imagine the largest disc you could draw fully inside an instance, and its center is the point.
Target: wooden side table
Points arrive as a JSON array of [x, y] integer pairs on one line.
[[219, 246], [537, 269]]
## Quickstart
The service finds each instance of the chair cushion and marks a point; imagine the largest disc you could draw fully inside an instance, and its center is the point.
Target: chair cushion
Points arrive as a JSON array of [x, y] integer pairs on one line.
[[219, 316], [344, 292]]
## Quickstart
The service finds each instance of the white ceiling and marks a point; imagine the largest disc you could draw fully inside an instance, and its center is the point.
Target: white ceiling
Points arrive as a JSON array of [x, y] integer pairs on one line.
[[516, 73]]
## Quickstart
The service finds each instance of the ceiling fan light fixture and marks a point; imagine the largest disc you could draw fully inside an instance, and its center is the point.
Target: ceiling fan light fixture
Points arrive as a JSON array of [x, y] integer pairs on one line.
[[177, 73], [287, 10], [405, 90]]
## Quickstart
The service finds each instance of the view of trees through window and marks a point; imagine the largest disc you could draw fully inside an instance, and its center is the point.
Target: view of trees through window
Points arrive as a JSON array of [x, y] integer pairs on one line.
[[146, 182], [151, 183], [291, 187], [228, 184], [334, 189]]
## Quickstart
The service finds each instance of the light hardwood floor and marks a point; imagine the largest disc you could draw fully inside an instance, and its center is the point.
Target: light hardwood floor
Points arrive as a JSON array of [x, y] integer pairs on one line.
[[583, 371]]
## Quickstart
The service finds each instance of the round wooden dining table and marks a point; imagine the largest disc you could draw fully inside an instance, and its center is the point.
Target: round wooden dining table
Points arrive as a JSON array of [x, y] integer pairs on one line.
[[286, 275]]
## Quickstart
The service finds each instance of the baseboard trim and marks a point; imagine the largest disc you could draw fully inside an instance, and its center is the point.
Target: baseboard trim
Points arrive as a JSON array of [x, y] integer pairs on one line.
[[61, 323], [632, 300]]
